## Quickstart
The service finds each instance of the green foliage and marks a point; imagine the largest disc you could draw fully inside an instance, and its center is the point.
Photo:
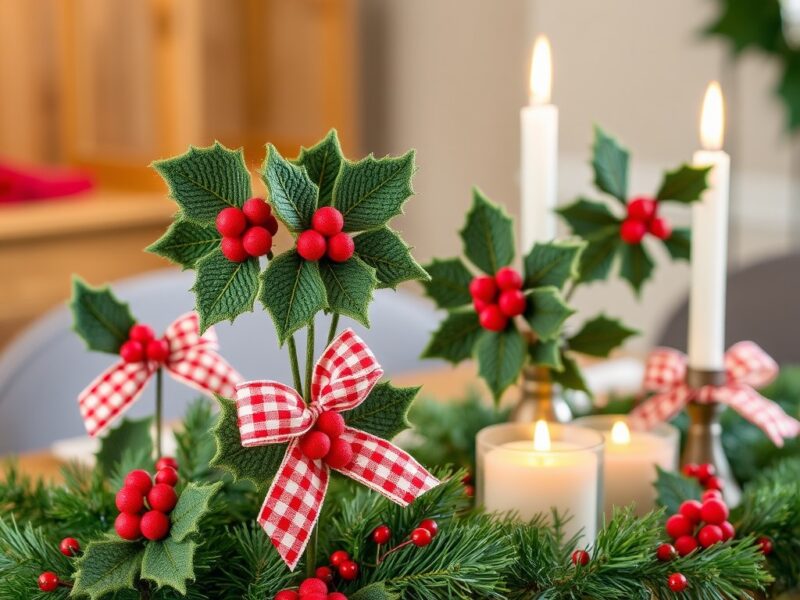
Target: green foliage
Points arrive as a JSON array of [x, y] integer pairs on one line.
[[322, 163], [25, 552], [547, 312], [570, 377], [130, 433], [456, 337], [589, 219], [599, 336], [679, 244], [107, 566], [193, 505], [185, 242], [385, 411], [501, 356], [488, 235], [552, 263], [224, 289], [547, 354], [449, 283], [684, 184], [100, 318], [195, 441], [386, 252], [610, 163], [169, 563], [598, 258], [349, 286], [636, 266], [292, 194], [674, 488]]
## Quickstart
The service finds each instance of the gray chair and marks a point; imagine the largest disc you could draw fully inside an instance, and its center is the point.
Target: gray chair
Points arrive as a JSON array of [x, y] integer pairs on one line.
[[44, 369]]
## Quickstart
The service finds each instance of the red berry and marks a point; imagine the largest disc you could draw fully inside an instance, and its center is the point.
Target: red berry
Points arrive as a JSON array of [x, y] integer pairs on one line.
[[324, 573], [632, 231], [711, 494], [140, 480], [312, 585], [686, 544], [336, 596], [677, 582], [348, 570], [765, 544], [158, 350], [508, 279], [483, 288], [431, 526], [315, 444], [728, 530], [339, 557], [714, 483], [469, 491], [69, 546], [492, 318], [167, 476], [231, 222], [141, 333], [130, 500], [512, 303], [678, 526], [162, 497], [690, 470], [287, 595], [330, 423], [257, 211], [705, 471], [128, 526], [666, 552], [714, 511], [479, 304], [155, 525], [709, 535], [421, 537], [340, 454], [328, 221], [271, 225], [660, 228], [233, 249], [691, 510], [580, 557], [166, 461], [341, 247], [257, 241], [48, 581], [311, 245], [381, 534], [642, 208], [132, 351]]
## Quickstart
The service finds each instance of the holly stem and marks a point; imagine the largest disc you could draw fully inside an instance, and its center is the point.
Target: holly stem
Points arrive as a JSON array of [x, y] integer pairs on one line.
[[159, 408], [309, 359], [298, 384], [573, 285], [334, 325], [395, 549], [311, 553]]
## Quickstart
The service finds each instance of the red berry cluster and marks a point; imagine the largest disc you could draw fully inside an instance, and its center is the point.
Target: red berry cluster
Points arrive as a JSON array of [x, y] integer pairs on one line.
[[247, 231], [706, 474], [469, 489], [697, 524], [422, 535], [324, 441], [142, 345], [326, 237], [497, 299], [143, 507], [312, 588], [49, 581], [643, 218]]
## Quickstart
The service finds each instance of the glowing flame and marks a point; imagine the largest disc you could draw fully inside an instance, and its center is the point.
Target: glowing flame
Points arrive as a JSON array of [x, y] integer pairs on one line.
[[712, 119], [541, 71], [620, 434], [541, 437]]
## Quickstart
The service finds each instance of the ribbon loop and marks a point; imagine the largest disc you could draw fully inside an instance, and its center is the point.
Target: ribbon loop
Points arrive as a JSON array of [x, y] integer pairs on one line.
[[270, 413], [665, 368], [746, 362], [345, 373]]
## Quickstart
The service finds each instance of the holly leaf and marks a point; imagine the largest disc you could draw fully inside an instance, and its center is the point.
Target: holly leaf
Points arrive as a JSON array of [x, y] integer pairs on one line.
[[610, 163], [130, 433], [204, 181], [385, 411], [292, 291], [224, 289], [449, 283], [169, 563], [292, 194], [636, 266], [375, 591], [684, 184], [547, 354], [547, 312], [349, 286], [789, 90], [386, 252], [456, 337], [257, 464], [100, 318], [599, 336], [750, 23], [589, 220], [107, 566], [570, 377], [185, 243], [371, 191], [488, 234], [193, 505], [501, 356], [552, 263], [322, 163], [673, 488], [679, 244], [598, 257]]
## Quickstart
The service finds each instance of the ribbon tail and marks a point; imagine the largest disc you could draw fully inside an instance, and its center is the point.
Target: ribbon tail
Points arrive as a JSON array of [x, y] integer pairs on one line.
[[761, 412], [385, 468], [661, 407], [111, 394], [293, 503], [206, 371]]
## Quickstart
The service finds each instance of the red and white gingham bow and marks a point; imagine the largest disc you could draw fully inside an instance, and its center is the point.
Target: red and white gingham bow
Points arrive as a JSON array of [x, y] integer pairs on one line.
[[272, 413], [747, 367], [192, 360]]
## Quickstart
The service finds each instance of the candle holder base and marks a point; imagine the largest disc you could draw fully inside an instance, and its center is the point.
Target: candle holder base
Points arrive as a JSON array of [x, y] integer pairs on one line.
[[539, 400]]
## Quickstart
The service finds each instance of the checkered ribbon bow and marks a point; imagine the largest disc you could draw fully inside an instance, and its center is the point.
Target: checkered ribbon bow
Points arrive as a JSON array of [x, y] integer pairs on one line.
[[747, 367], [272, 413], [192, 360]]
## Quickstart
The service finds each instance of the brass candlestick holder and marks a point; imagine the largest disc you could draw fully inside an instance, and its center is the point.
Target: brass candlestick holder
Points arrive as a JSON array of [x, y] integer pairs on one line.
[[538, 400]]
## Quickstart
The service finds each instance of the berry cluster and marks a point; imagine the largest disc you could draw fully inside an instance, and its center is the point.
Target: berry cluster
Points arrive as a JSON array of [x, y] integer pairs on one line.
[[497, 299], [697, 524], [142, 345], [326, 237], [143, 507], [49, 581], [706, 474], [312, 588], [247, 231], [324, 441], [422, 535], [643, 218]]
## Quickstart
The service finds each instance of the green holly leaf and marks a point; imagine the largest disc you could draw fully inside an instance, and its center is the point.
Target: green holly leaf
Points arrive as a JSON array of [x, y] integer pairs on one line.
[[349, 286], [679, 244], [501, 356], [789, 90], [185, 243], [598, 257], [204, 181], [449, 283], [385, 411], [547, 354], [589, 220], [570, 377], [746, 23], [224, 289], [372, 191], [610, 163], [292, 194], [130, 433], [169, 563], [636, 266], [322, 163], [488, 234], [674, 488], [100, 318], [292, 291], [258, 464], [552, 263], [107, 566], [193, 505], [386, 252], [375, 591], [599, 336], [547, 312], [684, 184], [456, 337]]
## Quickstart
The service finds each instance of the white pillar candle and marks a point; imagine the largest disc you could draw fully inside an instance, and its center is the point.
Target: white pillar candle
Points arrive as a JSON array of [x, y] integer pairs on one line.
[[539, 153], [710, 242]]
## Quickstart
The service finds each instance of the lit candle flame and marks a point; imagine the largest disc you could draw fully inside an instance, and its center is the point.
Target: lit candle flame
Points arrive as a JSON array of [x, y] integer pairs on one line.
[[620, 434], [712, 119], [541, 437], [541, 71]]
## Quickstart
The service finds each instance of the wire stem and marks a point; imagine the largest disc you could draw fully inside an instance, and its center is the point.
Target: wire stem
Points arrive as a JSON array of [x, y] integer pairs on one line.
[[309, 359], [395, 549], [334, 325], [298, 383]]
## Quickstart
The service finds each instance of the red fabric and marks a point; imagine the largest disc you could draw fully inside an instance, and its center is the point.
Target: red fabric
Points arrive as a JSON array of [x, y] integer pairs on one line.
[[17, 184], [272, 413]]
